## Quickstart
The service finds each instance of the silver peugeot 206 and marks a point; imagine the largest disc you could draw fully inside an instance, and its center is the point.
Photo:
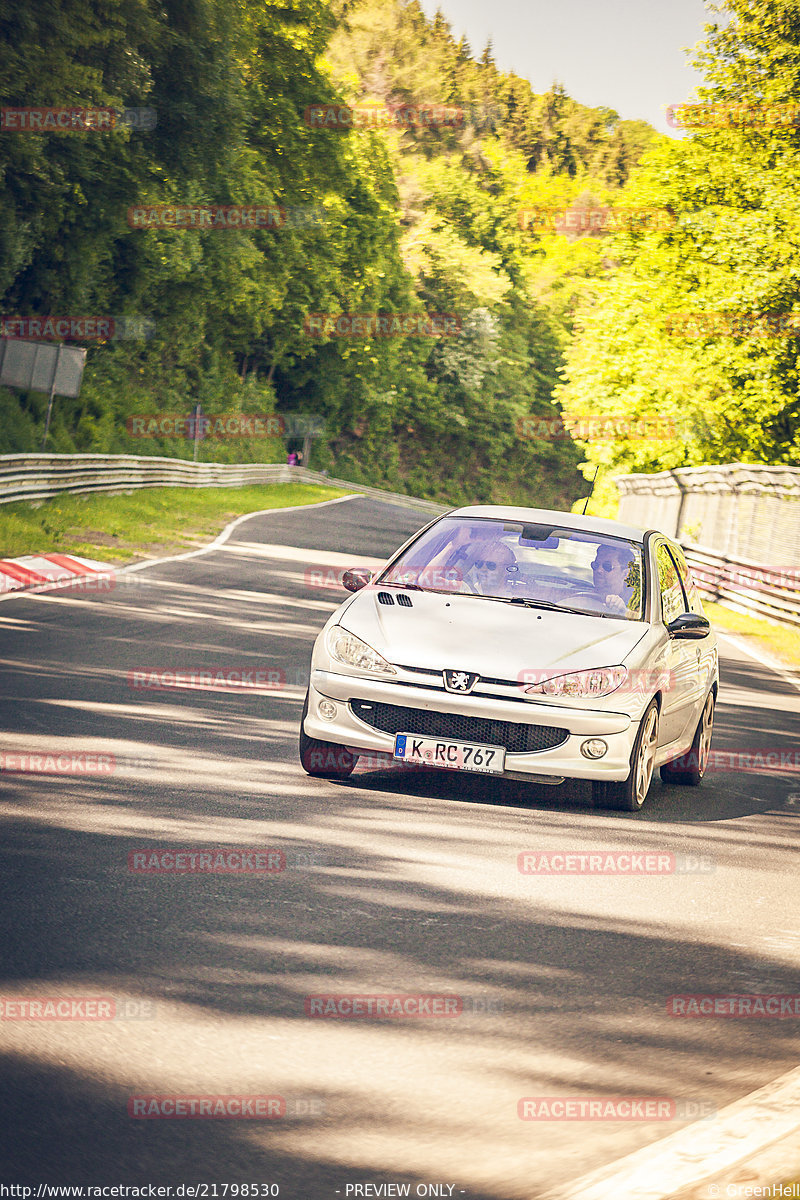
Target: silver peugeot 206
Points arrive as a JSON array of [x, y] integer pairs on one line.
[[526, 644]]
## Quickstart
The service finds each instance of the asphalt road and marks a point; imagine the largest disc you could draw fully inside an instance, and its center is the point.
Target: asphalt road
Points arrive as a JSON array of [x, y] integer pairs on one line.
[[395, 883]]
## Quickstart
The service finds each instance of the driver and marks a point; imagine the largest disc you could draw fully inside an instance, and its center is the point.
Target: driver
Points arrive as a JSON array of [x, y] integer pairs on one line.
[[609, 578]]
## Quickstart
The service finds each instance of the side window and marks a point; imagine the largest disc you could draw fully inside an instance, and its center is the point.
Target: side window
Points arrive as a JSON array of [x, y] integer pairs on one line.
[[673, 602], [693, 596]]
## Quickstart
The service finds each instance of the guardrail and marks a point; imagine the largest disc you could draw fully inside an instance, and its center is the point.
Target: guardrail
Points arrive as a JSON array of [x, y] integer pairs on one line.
[[750, 510], [39, 476], [745, 586], [738, 583], [730, 518]]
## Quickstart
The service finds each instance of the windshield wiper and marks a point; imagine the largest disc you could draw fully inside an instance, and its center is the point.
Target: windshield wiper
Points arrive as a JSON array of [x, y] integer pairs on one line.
[[529, 602], [580, 612]]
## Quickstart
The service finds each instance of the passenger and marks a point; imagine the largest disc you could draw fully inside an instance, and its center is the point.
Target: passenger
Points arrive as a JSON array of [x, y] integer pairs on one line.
[[492, 570], [447, 571]]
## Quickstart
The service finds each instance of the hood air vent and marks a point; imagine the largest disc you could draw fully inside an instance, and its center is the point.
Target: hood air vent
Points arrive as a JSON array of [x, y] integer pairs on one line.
[[385, 598], [404, 600]]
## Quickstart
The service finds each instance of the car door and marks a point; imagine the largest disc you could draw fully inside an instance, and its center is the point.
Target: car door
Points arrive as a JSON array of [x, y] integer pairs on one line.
[[705, 648], [680, 696]]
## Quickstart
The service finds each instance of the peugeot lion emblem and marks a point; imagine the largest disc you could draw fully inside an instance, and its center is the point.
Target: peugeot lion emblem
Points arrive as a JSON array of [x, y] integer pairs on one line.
[[459, 681]]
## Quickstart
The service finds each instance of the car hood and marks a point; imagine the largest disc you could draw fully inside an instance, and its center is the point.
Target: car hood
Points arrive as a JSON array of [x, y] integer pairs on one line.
[[492, 639]]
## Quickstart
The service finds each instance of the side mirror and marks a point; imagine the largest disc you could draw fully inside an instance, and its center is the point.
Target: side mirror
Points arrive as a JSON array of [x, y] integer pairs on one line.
[[356, 578], [689, 626]]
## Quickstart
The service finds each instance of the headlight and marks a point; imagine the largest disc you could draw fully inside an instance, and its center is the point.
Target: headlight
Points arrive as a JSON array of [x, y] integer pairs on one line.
[[600, 682], [348, 649]]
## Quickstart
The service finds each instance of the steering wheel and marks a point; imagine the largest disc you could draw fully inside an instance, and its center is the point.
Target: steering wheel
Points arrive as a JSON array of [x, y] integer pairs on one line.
[[584, 592]]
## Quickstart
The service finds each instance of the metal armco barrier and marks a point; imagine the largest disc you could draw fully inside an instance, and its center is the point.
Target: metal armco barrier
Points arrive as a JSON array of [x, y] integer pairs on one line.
[[760, 591], [750, 586], [736, 509], [739, 524], [429, 506], [39, 476]]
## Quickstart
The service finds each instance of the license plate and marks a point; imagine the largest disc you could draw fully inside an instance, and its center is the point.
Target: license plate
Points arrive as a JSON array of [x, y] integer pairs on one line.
[[452, 756]]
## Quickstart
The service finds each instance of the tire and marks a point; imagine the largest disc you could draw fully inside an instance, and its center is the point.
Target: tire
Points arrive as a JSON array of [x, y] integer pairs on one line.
[[324, 760], [690, 768], [630, 794]]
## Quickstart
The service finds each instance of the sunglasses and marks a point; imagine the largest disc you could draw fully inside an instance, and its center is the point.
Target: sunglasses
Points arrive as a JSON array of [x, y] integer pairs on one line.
[[492, 565]]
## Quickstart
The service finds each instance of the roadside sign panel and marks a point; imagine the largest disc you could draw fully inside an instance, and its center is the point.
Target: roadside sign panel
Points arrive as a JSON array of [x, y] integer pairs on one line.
[[41, 367]]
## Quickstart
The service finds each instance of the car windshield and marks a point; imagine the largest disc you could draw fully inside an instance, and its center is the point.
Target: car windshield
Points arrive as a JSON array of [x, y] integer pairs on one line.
[[570, 569]]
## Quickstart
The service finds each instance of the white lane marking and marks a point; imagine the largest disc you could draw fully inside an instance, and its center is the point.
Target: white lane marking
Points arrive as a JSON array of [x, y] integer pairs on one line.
[[759, 657], [294, 554], [222, 537], [154, 562], [699, 1152]]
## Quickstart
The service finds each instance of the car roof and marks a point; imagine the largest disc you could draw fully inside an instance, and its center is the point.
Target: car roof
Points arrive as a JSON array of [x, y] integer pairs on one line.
[[601, 525]]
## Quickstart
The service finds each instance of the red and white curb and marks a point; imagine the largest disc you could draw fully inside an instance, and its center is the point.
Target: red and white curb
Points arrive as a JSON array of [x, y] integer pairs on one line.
[[41, 572], [36, 570], [700, 1154]]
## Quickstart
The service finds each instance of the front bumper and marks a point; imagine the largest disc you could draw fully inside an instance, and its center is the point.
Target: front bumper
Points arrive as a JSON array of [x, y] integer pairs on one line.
[[564, 761]]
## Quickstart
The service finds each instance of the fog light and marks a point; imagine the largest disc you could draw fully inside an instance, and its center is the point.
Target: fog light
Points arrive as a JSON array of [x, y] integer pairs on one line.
[[593, 748], [326, 709]]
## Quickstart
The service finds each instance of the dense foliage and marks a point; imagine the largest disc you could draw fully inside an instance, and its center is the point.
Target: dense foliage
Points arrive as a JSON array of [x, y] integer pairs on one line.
[[695, 330], [405, 220], [406, 216]]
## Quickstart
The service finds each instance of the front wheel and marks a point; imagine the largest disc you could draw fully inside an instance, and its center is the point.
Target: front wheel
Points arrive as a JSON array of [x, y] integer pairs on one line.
[[324, 760], [690, 768], [630, 794]]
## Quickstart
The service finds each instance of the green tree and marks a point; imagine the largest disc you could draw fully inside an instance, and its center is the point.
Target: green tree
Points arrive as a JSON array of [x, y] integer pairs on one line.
[[725, 245]]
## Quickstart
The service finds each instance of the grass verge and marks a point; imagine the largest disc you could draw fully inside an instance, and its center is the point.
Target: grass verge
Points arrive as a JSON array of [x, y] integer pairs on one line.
[[149, 523], [779, 641]]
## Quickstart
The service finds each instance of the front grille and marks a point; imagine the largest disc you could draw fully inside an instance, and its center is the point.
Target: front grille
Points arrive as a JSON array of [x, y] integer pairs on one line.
[[517, 738], [511, 683]]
